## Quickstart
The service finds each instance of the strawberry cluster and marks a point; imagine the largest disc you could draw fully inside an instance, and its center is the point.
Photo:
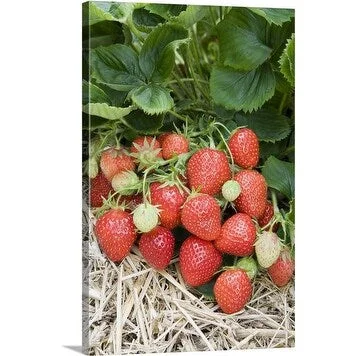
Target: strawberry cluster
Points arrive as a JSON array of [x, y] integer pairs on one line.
[[142, 193]]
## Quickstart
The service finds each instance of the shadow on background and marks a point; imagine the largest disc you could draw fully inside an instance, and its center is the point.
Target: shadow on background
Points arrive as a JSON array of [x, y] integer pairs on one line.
[[76, 348]]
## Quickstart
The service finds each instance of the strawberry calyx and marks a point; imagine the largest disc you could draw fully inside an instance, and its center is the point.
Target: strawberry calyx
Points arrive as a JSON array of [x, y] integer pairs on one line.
[[147, 155], [112, 202]]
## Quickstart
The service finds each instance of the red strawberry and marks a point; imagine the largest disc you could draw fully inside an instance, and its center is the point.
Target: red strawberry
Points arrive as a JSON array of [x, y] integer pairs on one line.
[[238, 235], [157, 247], [267, 216], [208, 170], [282, 270], [162, 136], [199, 260], [142, 141], [132, 201], [116, 234], [232, 290], [174, 144], [169, 200], [115, 160], [100, 188], [201, 216], [253, 197], [244, 148]]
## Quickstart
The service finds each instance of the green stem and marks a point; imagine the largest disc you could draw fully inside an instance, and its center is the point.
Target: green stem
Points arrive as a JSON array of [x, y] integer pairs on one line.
[[134, 30], [180, 117], [183, 87], [187, 80], [282, 103]]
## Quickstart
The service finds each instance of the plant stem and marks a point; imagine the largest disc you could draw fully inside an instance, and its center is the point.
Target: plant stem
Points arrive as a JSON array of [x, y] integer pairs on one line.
[[183, 87], [282, 103], [180, 117], [187, 80]]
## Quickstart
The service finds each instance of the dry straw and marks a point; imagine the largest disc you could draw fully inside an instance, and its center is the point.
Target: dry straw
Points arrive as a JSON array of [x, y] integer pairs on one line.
[[131, 308]]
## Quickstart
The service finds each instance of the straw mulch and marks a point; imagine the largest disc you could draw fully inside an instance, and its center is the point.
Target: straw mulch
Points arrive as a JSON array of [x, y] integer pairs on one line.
[[131, 308]]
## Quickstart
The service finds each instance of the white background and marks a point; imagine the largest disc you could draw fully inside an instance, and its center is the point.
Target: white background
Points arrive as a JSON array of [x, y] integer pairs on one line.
[[40, 200]]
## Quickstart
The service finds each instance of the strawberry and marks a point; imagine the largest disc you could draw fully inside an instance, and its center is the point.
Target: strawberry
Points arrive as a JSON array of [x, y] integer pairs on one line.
[[174, 144], [125, 182], [201, 216], [249, 265], [268, 248], [100, 189], [232, 290], [132, 201], [157, 247], [169, 200], [145, 217], [231, 190], [267, 216], [116, 234], [244, 148], [253, 197], [207, 170], [162, 136], [282, 270], [198, 260], [115, 160], [238, 235]]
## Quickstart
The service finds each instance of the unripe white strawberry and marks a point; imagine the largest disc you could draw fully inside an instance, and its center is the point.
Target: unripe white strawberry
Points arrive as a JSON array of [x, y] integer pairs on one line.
[[145, 217], [125, 182], [268, 248], [231, 190], [93, 168]]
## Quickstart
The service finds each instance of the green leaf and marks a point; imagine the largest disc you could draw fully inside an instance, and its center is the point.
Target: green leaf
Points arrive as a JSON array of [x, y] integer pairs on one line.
[[157, 56], [282, 85], [165, 10], [238, 90], [140, 122], [241, 39], [191, 15], [92, 93], [268, 125], [144, 20], [276, 16], [117, 67], [121, 11], [94, 122], [152, 99], [103, 33], [280, 176], [273, 149], [287, 60], [106, 111], [94, 12], [207, 289], [291, 213]]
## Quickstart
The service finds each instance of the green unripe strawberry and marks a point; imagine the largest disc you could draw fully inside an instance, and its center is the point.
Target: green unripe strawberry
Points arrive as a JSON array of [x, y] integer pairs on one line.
[[249, 265], [268, 248], [126, 182], [145, 217], [231, 190]]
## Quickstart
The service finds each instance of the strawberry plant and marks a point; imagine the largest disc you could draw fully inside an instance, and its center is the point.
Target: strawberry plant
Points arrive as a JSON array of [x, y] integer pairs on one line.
[[188, 112]]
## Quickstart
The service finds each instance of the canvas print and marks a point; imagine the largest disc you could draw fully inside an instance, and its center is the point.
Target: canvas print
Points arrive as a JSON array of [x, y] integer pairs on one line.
[[188, 178]]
